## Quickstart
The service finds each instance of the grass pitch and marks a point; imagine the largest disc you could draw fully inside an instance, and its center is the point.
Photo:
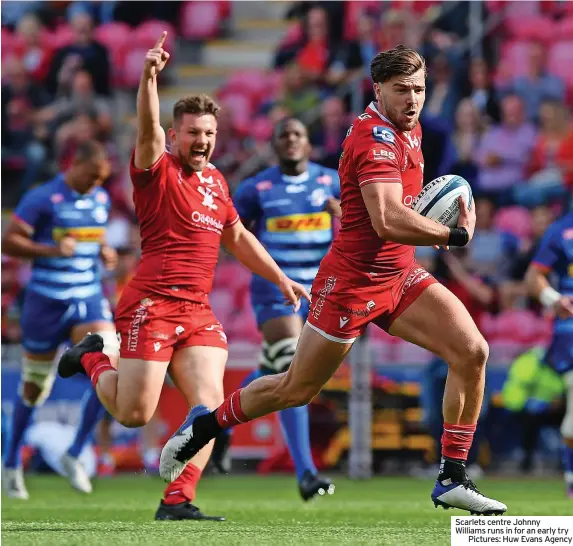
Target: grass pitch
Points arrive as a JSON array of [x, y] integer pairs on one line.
[[260, 511]]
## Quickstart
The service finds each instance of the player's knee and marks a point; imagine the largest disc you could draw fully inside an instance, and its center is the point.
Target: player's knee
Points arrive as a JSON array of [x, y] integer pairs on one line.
[[276, 357], [478, 353], [37, 380], [134, 418]]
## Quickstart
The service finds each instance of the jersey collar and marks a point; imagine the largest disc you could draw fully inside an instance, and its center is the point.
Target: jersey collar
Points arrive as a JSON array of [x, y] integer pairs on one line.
[[372, 106], [298, 179]]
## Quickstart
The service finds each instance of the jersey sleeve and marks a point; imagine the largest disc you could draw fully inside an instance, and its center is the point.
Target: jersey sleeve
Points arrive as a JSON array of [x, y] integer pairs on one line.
[[32, 207], [232, 214], [547, 253], [377, 155], [247, 201], [144, 177]]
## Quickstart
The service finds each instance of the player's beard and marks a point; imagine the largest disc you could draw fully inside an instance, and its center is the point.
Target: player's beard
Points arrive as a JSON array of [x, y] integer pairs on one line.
[[399, 119]]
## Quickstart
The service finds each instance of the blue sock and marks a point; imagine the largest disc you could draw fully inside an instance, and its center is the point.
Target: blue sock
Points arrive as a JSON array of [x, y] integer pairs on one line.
[[20, 420], [294, 422], [92, 413]]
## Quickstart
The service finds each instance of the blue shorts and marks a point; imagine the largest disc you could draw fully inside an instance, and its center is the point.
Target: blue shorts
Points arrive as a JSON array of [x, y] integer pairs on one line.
[[560, 353], [47, 323], [268, 302]]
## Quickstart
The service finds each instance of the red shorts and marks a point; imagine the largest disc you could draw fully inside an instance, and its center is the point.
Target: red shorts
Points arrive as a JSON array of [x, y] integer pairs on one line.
[[152, 326], [340, 310]]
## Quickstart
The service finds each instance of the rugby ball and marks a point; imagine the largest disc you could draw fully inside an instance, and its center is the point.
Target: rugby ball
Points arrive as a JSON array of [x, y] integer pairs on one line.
[[438, 200]]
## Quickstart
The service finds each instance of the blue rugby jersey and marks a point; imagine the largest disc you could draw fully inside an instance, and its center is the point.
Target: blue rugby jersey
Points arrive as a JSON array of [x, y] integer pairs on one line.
[[555, 254], [290, 218], [53, 211]]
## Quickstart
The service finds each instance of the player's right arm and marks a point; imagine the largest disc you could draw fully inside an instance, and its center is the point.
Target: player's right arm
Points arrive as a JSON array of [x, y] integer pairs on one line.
[[536, 280], [18, 241], [150, 143], [380, 180]]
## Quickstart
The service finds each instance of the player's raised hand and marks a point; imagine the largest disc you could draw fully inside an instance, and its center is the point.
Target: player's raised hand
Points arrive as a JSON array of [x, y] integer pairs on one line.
[[467, 218], [108, 257], [564, 307], [66, 246], [292, 291], [156, 58]]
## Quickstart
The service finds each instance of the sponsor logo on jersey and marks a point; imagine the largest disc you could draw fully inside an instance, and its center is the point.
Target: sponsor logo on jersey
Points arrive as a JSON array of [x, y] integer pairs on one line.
[[314, 221], [318, 197], [295, 188], [80, 234], [343, 321], [383, 134], [357, 312], [133, 332], [56, 198], [99, 214], [325, 180], [101, 197], [179, 330], [364, 116], [408, 200], [416, 276], [264, 185], [208, 197], [206, 221], [322, 294], [379, 154]]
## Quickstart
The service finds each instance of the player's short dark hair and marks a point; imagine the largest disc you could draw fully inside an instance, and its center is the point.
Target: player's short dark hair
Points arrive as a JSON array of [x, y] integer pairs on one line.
[[195, 104], [398, 61], [282, 122], [92, 150]]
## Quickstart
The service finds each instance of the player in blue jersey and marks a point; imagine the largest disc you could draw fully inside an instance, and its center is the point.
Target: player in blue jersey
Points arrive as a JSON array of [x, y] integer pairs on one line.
[[554, 257], [289, 207], [61, 227]]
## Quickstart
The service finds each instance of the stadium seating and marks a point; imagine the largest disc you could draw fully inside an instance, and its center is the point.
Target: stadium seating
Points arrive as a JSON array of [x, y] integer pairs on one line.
[[203, 20], [515, 220]]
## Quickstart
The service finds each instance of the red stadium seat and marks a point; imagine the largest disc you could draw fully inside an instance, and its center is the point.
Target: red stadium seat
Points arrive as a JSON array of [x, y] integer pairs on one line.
[[261, 129], [515, 220], [564, 29], [222, 304], [241, 105], [146, 34], [513, 61], [131, 67], [113, 35], [530, 27], [352, 12], [201, 20], [61, 36]]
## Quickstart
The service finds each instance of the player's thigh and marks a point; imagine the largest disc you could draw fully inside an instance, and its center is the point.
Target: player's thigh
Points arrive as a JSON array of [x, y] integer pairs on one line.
[[197, 371], [439, 322], [281, 327], [314, 363], [139, 384]]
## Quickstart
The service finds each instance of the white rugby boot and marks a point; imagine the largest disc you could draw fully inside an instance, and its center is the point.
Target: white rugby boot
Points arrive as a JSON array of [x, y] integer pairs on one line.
[[76, 474], [13, 483], [466, 496]]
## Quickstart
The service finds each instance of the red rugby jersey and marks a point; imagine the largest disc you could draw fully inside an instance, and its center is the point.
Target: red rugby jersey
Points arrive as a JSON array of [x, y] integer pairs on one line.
[[374, 151], [182, 214]]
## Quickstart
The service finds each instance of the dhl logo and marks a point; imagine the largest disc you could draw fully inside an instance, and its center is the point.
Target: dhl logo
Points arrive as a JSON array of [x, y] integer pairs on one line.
[[80, 234], [315, 221]]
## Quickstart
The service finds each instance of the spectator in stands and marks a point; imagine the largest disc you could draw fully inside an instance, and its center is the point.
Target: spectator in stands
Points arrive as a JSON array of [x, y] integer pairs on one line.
[[552, 148], [328, 137], [398, 27], [441, 92], [468, 130], [84, 53], [491, 251], [478, 87], [34, 53], [324, 60], [230, 151], [81, 100], [504, 151], [299, 95], [537, 85], [21, 99], [513, 292]]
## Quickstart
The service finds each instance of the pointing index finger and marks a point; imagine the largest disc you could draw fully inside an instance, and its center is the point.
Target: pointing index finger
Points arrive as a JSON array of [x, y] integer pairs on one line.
[[161, 40]]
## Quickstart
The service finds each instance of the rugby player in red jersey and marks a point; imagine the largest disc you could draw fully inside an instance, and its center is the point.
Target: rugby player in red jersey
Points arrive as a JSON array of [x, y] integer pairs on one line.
[[370, 275], [163, 317]]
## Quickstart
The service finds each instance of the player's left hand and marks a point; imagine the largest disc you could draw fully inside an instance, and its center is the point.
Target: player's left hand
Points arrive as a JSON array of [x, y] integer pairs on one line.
[[292, 291], [333, 207], [108, 257]]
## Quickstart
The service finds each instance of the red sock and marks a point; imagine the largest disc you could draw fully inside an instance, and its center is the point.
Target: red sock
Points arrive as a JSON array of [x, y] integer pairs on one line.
[[183, 488], [457, 440], [229, 413], [95, 364]]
